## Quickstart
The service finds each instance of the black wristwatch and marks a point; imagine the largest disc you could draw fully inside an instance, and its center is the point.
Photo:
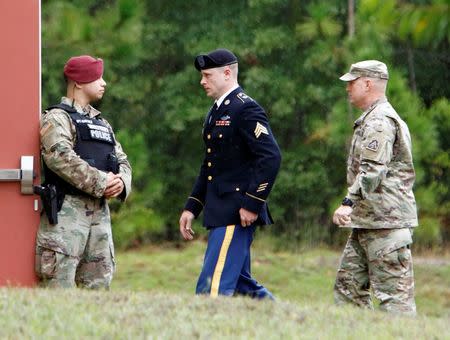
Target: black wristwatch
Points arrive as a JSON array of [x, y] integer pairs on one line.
[[348, 202]]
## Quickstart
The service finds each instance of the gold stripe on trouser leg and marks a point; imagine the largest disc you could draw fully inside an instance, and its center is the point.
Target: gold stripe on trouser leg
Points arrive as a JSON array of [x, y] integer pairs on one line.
[[221, 260]]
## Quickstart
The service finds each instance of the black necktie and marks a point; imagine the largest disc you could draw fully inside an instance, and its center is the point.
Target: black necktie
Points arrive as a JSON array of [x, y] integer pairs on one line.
[[211, 112]]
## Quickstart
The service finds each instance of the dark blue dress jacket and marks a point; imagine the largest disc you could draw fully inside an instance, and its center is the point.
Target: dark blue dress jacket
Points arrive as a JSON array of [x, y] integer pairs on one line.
[[241, 163]]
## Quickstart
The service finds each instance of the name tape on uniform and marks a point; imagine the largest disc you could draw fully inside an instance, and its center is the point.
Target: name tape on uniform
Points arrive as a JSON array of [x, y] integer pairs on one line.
[[98, 127], [84, 121]]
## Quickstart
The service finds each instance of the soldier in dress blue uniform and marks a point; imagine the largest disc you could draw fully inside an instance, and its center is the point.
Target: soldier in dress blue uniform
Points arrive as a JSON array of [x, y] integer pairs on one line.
[[241, 163]]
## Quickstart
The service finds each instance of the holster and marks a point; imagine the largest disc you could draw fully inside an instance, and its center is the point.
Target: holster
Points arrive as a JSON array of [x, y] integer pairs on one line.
[[49, 198]]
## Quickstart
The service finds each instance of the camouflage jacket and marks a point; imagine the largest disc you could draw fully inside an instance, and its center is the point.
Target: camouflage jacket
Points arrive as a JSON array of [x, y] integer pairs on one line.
[[58, 137], [380, 171]]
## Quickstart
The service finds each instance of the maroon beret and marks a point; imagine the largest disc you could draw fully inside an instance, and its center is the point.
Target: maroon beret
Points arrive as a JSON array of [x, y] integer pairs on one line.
[[83, 69]]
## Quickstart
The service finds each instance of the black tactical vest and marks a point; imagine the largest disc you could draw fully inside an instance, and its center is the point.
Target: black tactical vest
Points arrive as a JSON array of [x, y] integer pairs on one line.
[[95, 144]]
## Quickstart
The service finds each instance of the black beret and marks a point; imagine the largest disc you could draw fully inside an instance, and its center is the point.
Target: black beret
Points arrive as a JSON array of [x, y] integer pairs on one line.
[[217, 58]]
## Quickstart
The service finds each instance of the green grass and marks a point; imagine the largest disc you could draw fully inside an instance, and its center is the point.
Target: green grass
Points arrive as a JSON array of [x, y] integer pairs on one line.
[[152, 297], [73, 314], [293, 277]]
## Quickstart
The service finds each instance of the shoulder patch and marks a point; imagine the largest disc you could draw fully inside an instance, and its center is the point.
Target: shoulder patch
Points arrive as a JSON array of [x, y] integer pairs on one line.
[[373, 145], [243, 97], [45, 128]]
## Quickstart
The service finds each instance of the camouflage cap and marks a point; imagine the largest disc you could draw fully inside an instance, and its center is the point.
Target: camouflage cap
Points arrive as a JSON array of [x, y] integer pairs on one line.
[[366, 68]]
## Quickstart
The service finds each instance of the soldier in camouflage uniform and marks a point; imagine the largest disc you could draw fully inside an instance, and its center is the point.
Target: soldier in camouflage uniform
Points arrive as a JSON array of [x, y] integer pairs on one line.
[[79, 250], [379, 205]]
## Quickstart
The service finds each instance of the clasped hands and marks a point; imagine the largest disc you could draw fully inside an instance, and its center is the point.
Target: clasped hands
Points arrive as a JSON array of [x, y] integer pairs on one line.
[[114, 185]]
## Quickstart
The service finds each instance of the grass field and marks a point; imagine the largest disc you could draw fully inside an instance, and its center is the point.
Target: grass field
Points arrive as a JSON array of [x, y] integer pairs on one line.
[[301, 278], [152, 297]]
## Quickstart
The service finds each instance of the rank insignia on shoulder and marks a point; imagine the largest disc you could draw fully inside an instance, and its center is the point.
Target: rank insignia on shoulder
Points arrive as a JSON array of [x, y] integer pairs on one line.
[[243, 97], [373, 145], [260, 129]]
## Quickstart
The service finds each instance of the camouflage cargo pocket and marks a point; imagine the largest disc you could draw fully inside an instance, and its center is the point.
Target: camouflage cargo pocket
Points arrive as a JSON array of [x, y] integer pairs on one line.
[[46, 261], [392, 265], [386, 241], [404, 257]]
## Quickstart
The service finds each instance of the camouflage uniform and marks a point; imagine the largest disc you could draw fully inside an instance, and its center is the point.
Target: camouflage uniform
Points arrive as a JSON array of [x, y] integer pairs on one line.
[[79, 249], [380, 176], [380, 171]]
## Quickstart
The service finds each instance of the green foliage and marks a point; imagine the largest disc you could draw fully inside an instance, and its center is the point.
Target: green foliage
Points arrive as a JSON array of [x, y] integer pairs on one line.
[[135, 224], [426, 25], [428, 236], [134, 143], [291, 54], [319, 24], [439, 166]]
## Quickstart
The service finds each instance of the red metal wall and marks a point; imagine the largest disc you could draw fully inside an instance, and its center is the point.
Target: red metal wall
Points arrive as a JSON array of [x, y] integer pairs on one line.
[[19, 124]]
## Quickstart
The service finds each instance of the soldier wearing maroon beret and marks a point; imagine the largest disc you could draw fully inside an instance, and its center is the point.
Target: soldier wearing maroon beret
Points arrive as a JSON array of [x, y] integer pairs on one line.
[[86, 164], [83, 69]]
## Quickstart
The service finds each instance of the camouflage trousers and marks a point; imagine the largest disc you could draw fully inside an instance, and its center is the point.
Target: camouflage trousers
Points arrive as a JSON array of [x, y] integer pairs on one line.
[[379, 259], [79, 249]]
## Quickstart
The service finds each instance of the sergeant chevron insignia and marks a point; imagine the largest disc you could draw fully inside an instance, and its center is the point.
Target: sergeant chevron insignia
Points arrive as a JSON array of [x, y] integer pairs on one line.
[[260, 129]]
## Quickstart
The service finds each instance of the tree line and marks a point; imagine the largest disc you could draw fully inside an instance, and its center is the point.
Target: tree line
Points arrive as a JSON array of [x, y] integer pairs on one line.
[[291, 54]]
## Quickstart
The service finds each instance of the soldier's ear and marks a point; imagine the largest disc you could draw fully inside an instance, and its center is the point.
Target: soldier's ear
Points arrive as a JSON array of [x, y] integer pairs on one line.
[[227, 72]]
